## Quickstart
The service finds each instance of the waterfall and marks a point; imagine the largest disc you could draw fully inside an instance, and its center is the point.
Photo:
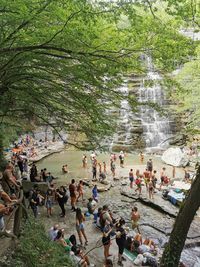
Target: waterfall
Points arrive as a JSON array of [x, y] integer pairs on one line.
[[156, 128], [123, 137], [125, 113]]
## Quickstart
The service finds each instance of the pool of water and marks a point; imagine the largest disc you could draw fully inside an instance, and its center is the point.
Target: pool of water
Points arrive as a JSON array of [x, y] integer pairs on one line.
[[73, 159]]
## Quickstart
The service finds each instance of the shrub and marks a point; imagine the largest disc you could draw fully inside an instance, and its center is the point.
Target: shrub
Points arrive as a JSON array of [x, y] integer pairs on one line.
[[36, 250]]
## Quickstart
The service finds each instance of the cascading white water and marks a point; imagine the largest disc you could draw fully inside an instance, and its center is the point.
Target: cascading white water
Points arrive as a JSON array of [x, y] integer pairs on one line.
[[125, 113], [156, 128], [124, 119]]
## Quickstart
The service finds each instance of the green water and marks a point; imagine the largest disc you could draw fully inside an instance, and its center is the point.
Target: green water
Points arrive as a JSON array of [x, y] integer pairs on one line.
[[73, 159]]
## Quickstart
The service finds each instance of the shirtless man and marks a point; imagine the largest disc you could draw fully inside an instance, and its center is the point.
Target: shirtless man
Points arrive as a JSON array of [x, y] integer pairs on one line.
[[162, 177], [5, 197], [135, 216], [80, 190], [84, 161], [9, 183], [150, 166], [146, 175]]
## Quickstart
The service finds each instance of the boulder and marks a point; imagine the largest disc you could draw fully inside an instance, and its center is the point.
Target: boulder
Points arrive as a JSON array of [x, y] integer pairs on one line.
[[103, 188], [175, 157], [105, 182]]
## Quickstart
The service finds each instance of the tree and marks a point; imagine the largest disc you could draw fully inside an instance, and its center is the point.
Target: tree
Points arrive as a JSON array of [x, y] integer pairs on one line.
[[173, 249], [187, 93], [62, 62]]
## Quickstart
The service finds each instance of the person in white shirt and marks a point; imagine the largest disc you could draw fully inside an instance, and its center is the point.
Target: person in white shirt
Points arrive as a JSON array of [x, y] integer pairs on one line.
[[53, 232]]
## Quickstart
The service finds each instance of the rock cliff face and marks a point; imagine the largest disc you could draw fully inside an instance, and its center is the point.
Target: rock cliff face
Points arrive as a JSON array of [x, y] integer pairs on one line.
[[129, 134]]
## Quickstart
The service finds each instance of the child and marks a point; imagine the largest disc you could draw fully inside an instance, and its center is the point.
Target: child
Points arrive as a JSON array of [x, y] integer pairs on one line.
[[139, 185]]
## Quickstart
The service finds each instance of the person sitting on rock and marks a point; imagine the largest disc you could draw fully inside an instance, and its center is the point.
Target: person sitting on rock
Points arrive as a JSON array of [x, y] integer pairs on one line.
[[91, 205], [4, 210], [83, 259], [102, 176], [53, 231], [144, 246], [186, 176]]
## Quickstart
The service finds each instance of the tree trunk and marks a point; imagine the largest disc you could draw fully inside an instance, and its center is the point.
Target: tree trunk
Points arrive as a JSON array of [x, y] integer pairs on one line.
[[3, 162], [17, 221], [173, 249]]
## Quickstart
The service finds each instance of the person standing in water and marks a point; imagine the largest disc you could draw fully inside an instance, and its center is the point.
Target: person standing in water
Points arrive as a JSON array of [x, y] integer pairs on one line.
[[80, 190], [141, 157], [112, 168], [84, 161], [72, 190], [150, 166], [162, 177], [121, 159], [94, 170]]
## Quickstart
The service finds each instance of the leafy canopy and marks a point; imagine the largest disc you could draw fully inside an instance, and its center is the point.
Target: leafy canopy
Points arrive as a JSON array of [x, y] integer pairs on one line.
[[61, 62]]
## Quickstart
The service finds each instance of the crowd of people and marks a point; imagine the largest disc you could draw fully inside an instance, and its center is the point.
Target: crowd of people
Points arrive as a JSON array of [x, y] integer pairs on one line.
[[111, 227], [148, 178]]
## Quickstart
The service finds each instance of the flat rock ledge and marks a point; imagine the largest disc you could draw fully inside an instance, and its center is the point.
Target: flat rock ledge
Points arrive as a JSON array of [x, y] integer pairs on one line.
[[161, 205]]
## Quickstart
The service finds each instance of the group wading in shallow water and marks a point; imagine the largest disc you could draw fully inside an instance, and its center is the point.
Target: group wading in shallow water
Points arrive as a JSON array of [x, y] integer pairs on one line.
[[144, 181]]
